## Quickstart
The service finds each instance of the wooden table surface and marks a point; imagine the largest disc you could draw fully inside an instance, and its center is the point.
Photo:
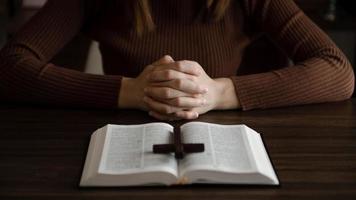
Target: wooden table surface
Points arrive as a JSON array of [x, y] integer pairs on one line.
[[313, 149]]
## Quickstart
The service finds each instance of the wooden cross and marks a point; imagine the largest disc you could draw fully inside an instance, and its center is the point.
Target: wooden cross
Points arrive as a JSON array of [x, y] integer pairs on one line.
[[178, 147]]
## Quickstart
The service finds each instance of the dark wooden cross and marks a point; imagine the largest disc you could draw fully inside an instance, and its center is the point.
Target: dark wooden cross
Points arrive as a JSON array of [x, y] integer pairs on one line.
[[178, 147]]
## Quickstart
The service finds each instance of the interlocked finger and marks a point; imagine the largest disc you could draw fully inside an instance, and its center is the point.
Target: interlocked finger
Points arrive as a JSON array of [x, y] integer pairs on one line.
[[162, 117], [160, 107], [164, 93], [167, 74], [186, 102]]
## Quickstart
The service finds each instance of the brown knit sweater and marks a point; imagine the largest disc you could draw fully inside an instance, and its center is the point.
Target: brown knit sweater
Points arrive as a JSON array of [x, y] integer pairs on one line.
[[321, 72]]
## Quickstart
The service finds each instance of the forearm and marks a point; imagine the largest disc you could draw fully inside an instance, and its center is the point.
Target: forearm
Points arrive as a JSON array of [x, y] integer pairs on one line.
[[226, 97], [29, 80], [129, 97], [321, 74]]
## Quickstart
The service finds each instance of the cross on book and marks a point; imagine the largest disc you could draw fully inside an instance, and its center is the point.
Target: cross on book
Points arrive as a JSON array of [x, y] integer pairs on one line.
[[178, 148]]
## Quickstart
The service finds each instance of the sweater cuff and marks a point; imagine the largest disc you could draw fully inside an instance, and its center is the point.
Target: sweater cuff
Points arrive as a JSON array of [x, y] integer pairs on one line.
[[252, 90]]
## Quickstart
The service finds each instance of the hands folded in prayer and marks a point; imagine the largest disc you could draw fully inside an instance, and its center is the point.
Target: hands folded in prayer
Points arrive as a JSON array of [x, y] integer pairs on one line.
[[173, 90]]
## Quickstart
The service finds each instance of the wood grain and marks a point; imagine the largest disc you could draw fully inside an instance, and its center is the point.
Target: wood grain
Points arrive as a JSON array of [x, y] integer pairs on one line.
[[313, 149]]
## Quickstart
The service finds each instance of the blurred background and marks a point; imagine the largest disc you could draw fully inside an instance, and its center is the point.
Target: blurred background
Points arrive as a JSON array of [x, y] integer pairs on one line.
[[335, 17]]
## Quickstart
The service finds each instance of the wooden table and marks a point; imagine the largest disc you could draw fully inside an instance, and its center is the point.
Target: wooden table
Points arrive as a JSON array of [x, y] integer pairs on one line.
[[313, 148]]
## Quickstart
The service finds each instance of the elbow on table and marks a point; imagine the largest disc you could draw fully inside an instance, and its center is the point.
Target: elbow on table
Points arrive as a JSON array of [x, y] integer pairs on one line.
[[345, 83], [352, 85]]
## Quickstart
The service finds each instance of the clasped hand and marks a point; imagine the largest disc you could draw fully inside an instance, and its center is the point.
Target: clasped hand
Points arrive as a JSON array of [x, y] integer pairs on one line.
[[173, 90]]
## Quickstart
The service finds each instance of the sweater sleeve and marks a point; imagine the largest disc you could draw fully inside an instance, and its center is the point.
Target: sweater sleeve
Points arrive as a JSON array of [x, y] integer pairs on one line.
[[26, 75], [321, 72]]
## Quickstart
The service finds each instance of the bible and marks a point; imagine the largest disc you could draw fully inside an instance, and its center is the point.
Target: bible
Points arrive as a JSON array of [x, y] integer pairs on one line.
[[122, 155]]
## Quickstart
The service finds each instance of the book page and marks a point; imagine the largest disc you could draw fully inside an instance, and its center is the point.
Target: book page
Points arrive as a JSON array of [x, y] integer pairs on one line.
[[226, 148], [129, 149]]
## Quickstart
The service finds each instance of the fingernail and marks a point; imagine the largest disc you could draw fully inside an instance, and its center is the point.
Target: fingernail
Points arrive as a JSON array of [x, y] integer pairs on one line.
[[203, 102], [196, 115], [205, 90], [197, 95]]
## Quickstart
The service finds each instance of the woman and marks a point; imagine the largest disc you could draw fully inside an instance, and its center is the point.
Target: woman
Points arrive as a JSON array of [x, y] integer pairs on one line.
[[174, 58]]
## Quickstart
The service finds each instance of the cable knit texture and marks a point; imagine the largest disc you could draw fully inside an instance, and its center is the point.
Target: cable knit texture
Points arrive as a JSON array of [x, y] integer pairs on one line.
[[321, 72]]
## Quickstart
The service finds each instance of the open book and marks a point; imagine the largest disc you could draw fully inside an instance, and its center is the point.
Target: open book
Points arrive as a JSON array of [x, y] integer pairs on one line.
[[122, 155]]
